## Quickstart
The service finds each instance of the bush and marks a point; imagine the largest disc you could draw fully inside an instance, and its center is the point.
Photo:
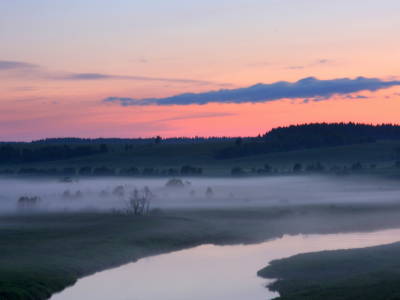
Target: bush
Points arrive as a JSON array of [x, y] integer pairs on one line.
[[318, 167], [65, 179], [104, 171], [118, 191], [139, 201], [6, 172], [175, 183], [356, 166], [85, 171], [28, 203], [237, 171], [148, 172], [68, 171], [132, 171], [209, 193], [297, 167], [188, 170]]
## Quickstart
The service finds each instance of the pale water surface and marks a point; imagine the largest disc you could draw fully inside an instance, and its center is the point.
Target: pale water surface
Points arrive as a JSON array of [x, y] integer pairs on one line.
[[211, 272]]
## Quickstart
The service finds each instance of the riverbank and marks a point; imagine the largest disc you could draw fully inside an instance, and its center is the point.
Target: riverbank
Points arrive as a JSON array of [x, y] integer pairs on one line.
[[366, 273], [44, 253]]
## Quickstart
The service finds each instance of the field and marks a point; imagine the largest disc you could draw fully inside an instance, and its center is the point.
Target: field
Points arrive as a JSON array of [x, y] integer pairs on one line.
[[163, 157], [44, 253]]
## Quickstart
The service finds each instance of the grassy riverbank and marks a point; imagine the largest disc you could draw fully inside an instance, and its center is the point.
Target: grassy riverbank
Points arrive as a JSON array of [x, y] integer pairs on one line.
[[44, 253], [367, 273]]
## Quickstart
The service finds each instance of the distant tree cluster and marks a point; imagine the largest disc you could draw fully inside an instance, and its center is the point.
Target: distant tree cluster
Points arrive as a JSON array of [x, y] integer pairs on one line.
[[318, 167], [309, 136], [13, 155], [156, 140], [105, 171]]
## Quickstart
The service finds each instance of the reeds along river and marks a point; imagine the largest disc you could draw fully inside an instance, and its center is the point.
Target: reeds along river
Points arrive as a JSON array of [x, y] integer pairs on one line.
[[211, 272]]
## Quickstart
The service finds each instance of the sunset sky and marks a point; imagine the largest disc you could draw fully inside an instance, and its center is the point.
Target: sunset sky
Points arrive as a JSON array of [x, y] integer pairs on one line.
[[119, 68]]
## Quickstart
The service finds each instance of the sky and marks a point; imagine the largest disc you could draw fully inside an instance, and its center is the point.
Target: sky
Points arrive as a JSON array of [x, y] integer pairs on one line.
[[194, 68]]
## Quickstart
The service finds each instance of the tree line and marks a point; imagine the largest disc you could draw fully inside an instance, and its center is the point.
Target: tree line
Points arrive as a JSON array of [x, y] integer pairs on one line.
[[106, 171], [309, 136], [171, 140], [14, 155]]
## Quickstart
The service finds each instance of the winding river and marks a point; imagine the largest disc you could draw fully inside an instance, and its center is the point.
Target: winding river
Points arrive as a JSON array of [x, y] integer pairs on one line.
[[211, 272]]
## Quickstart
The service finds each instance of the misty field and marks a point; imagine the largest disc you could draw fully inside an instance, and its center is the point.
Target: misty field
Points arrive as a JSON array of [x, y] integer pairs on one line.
[[163, 157], [80, 227]]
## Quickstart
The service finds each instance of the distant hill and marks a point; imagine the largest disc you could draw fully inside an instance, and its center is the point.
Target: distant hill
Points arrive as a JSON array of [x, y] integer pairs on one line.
[[173, 140], [309, 136], [379, 132]]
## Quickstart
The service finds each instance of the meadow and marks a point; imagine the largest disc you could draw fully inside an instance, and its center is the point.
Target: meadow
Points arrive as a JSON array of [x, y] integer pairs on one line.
[[43, 252]]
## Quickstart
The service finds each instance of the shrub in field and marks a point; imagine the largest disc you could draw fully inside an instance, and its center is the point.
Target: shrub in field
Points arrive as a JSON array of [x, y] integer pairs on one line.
[[28, 203], [174, 183]]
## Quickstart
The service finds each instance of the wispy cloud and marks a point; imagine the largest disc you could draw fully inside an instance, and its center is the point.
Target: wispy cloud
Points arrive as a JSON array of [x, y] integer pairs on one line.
[[31, 70], [319, 62], [305, 88], [100, 76], [15, 65]]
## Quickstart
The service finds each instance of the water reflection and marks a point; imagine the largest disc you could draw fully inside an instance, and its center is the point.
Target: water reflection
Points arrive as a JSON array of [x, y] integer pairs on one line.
[[211, 272]]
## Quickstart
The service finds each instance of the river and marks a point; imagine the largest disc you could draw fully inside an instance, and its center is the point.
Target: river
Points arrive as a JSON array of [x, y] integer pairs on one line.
[[209, 271]]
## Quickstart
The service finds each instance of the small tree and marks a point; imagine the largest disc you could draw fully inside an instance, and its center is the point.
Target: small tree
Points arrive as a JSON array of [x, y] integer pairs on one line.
[[237, 171], [297, 167], [139, 201], [239, 142], [158, 140], [28, 203], [103, 148], [209, 193]]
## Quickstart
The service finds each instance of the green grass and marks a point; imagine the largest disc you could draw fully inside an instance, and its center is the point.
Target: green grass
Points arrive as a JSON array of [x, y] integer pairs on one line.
[[44, 253], [367, 273], [200, 155]]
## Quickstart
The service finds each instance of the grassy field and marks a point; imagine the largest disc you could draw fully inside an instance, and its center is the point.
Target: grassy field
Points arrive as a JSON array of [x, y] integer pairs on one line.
[[163, 157], [367, 273], [44, 253]]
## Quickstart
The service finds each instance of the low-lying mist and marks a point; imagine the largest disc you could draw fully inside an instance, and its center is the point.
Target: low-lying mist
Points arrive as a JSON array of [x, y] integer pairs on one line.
[[111, 194]]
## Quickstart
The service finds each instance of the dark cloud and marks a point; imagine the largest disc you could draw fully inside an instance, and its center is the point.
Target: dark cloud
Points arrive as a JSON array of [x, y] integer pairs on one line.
[[355, 97], [15, 65], [305, 88]]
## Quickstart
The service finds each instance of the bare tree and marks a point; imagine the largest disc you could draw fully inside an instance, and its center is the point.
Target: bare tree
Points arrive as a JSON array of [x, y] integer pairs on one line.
[[139, 201]]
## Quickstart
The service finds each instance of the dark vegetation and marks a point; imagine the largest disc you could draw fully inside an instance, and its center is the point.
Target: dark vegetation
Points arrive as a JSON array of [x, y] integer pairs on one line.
[[13, 155], [158, 139], [367, 273], [44, 253], [309, 136]]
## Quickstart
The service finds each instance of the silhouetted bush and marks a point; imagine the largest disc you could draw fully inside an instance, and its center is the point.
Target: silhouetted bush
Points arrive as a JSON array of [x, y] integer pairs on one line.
[[85, 171], [149, 172], [68, 171], [356, 166], [175, 183], [318, 167], [209, 193], [6, 172], [297, 167], [28, 203], [118, 191], [104, 171], [132, 171], [237, 171]]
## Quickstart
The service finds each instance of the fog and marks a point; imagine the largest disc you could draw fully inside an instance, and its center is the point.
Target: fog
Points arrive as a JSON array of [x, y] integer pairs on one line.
[[99, 194]]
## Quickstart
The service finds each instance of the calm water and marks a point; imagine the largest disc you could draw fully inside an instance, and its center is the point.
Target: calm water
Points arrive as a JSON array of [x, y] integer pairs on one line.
[[210, 272]]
